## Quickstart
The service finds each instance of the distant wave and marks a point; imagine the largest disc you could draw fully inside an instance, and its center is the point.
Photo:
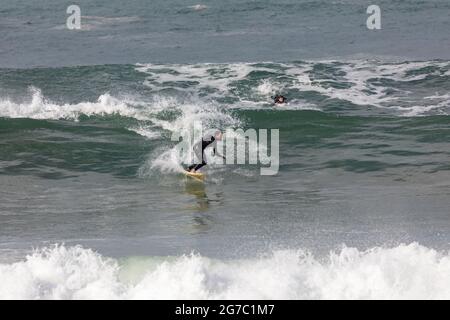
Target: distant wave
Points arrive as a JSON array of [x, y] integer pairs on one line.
[[199, 7], [387, 86], [356, 87], [404, 272]]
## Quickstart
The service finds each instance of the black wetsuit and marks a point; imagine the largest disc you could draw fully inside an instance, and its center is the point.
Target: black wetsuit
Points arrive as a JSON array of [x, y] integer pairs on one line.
[[199, 150]]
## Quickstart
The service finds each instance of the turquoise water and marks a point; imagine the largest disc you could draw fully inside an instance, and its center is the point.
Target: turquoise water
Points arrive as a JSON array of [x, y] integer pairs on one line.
[[86, 157]]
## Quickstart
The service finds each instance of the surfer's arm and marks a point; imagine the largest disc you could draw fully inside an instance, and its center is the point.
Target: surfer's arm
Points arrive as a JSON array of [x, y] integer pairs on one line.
[[216, 153]]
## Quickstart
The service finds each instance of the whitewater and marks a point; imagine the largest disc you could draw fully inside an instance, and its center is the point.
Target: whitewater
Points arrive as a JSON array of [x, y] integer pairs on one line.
[[59, 272], [91, 180]]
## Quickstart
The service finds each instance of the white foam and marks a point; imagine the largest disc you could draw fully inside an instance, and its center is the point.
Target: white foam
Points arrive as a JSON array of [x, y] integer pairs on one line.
[[219, 81], [41, 108], [436, 104], [209, 115], [158, 113], [266, 88], [146, 131], [402, 272], [206, 75], [414, 111], [60, 273], [199, 7]]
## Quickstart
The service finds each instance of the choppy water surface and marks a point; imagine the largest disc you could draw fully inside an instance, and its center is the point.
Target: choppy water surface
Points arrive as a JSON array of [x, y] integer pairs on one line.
[[358, 209]]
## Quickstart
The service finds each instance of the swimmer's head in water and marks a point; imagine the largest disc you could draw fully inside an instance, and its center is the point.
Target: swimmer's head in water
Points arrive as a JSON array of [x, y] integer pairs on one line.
[[279, 99]]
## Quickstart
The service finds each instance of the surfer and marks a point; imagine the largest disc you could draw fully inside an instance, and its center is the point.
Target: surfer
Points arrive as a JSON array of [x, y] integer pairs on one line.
[[279, 99], [209, 140]]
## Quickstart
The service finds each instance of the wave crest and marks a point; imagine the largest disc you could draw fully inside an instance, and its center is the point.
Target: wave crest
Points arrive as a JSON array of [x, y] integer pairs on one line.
[[403, 272], [41, 108]]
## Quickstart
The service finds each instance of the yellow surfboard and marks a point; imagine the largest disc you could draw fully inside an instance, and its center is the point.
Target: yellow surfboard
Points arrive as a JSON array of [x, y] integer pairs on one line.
[[195, 175]]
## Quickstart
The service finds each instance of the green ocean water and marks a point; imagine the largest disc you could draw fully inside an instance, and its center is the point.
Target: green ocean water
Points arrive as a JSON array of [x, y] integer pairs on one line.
[[359, 140]]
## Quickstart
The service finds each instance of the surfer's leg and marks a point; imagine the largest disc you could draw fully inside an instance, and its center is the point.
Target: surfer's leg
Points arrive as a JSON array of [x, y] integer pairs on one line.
[[198, 166], [199, 156]]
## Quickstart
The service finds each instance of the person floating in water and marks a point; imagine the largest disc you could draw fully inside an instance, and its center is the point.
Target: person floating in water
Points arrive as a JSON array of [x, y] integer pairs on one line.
[[209, 140], [279, 99]]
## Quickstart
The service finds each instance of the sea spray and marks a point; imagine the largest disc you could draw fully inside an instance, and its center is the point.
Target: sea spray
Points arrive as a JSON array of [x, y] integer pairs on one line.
[[403, 272]]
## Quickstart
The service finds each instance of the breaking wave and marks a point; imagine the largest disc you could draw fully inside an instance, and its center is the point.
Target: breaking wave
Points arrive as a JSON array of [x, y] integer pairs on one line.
[[403, 272]]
